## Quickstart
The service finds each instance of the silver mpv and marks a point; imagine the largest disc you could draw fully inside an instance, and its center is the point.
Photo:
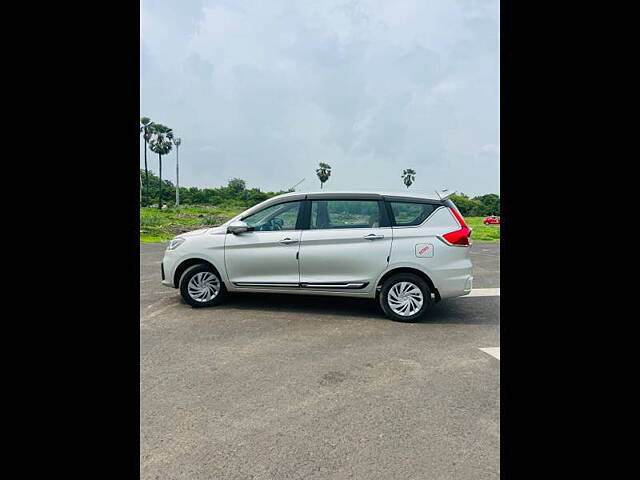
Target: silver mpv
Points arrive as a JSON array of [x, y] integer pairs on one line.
[[406, 251]]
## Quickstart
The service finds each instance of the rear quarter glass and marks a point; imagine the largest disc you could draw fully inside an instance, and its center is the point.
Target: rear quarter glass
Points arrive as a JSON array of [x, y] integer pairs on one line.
[[409, 214], [442, 220]]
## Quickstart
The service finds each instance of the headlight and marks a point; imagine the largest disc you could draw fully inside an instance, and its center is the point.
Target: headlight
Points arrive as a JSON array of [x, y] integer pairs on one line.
[[175, 243]]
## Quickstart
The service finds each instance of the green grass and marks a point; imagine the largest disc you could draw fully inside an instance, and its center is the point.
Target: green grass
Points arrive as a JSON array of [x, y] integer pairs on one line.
[[162, 225], [481, 232]]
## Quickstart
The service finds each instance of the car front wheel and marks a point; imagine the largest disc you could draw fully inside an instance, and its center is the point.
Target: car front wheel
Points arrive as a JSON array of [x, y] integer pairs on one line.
[[201, 286], [405, 297]]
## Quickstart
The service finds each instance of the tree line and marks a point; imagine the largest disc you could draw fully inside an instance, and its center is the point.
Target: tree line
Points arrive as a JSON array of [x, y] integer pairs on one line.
[[480, 206], [236, 193]]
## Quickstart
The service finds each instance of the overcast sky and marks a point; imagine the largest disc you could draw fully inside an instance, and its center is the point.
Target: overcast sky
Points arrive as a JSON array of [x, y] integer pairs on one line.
[[265, 90]]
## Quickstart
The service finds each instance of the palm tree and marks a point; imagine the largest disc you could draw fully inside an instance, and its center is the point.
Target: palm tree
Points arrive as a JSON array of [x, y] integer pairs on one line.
[[324, 172], [408, 176], [147, 126], [160, 144]]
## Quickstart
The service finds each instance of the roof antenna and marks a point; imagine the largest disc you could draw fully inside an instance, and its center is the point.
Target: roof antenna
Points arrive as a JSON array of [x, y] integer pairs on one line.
[[294, 187], [444, 193]]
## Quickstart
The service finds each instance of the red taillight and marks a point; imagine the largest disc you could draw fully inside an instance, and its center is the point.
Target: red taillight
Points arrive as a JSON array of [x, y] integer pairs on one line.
[[458, 237], [455, 213]]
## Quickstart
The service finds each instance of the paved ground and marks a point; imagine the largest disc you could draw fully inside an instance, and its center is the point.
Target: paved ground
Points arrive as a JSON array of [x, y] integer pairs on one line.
[[280, 387]]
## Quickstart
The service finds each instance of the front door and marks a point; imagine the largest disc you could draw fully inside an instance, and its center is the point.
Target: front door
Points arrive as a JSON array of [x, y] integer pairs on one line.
[[345, 247], [267, 254]]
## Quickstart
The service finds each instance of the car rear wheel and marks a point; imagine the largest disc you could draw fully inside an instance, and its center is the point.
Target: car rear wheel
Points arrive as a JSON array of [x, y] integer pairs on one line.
[[200, 286], [405, 297]]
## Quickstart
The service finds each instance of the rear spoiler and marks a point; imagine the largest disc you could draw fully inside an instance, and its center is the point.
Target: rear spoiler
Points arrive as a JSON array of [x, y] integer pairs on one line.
[[444, 193]]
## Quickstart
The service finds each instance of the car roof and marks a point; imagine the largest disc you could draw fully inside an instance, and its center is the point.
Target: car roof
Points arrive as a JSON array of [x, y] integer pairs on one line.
[[361, 194], [346, 194]]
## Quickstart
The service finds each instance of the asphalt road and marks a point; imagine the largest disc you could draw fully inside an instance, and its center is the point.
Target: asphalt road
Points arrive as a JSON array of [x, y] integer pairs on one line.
[[294, 387]]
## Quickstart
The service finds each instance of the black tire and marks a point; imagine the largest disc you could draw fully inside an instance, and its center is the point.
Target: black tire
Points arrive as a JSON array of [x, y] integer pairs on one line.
[[191, 272], [405, 277]]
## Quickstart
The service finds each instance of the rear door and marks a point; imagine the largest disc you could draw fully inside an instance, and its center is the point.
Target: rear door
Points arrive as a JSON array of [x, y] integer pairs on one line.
[[347, 244]]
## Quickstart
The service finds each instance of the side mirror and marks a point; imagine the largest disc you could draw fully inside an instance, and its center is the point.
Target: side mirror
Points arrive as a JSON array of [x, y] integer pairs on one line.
[[237, 227]]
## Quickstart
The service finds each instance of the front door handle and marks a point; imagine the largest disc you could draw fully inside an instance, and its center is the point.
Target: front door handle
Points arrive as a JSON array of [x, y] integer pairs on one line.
[[373, 236], [287, 241]]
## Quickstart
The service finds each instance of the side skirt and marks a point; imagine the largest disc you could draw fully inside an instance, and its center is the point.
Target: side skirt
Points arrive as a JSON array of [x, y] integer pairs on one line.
[[314, 286]]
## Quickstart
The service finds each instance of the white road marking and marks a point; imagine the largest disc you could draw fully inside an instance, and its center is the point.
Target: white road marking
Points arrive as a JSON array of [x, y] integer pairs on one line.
[[483, 292], [493, 351]]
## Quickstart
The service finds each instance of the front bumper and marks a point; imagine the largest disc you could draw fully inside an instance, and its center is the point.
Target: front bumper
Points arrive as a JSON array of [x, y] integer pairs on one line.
[[167, 268], [166, 282]]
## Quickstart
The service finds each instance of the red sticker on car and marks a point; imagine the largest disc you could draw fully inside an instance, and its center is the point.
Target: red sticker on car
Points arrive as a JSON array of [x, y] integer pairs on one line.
[[424, 250]]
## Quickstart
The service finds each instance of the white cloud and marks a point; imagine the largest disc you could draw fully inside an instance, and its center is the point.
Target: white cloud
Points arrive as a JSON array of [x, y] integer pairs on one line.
[[266, 90]]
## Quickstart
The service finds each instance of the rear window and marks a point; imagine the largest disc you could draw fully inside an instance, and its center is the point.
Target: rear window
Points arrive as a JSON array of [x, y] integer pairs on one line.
[[408, 214]]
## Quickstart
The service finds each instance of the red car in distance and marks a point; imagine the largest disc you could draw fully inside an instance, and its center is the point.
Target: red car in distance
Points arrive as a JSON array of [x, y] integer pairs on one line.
[[491, 220]]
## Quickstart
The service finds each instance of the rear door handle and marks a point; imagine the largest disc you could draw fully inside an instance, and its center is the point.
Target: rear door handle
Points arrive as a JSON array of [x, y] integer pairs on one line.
[[287, 241], [373, 236]]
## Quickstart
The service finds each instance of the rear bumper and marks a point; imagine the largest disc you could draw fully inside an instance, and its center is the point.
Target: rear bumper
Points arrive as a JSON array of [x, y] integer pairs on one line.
[[455, 279], [456, 286]]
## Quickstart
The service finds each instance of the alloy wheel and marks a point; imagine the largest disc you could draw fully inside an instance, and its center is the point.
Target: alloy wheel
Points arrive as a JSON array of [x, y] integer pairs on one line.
[[204, 287], [405, 299]]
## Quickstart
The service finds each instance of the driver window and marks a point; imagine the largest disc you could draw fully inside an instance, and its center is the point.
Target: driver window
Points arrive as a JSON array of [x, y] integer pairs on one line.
[[282, 216]]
